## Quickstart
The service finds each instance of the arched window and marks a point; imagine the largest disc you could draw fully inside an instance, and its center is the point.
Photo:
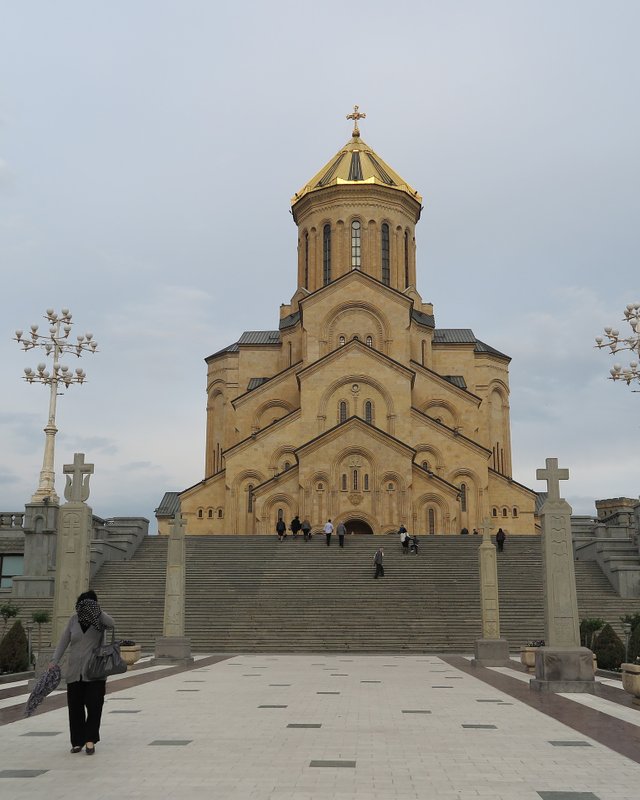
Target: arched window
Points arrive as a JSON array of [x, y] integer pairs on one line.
[[390, 487], [210, 513], [494, 512], [463, 497], [326, 254], [369, 341], [368, 412], [200, 513], [355, 480], [504, 512], [386, 272], [320, 487], [287, 465], [280, 514], [249, 498], [306, 261], [344, 482], [219, 513], [425, 465], [355, 244], [342, 341], [515, 511], [366, 482], [356, 337], [406, 258], [343, 411], [431, 521]]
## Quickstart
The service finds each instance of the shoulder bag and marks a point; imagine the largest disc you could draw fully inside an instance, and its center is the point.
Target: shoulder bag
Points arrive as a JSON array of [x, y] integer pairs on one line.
[[104, 660]]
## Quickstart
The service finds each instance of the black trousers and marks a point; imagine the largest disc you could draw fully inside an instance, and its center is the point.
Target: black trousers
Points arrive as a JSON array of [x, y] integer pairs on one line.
[[341, 541], [379, 571], [85, 700], [328, 535]]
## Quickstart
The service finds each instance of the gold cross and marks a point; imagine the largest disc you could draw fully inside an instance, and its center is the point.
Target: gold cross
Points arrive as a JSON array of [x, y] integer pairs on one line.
[[355, 117]]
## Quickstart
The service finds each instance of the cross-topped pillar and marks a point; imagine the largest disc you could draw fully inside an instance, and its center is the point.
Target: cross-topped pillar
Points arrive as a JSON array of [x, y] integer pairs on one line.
[[562, 665], [491, 650]]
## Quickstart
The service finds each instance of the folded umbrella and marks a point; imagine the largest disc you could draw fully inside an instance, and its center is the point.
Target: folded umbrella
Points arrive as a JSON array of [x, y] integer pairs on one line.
[[47, 682]]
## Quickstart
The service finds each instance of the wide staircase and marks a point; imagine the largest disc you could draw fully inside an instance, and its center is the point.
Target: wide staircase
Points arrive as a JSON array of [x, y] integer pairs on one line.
[[254, 594]]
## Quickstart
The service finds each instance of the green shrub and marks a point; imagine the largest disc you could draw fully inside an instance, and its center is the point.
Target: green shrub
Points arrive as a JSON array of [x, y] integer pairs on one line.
[[634, 645], [7, 611], [608, 648], [632, 619], [14, 654], [588, 628]]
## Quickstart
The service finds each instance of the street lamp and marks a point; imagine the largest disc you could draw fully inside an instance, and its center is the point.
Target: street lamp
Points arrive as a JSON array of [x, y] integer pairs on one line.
[[54, 345], [617, 343]]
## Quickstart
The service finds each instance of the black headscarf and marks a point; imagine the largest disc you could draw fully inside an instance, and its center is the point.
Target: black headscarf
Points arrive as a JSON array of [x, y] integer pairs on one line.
[[89, 613]]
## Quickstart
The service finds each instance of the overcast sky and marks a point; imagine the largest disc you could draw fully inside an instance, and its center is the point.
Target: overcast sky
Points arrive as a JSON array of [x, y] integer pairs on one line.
[[148, 153]]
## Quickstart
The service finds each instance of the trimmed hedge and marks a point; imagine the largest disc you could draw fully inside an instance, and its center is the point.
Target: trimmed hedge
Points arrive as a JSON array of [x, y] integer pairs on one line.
[[14, 650], [609, 649], [634, 645]]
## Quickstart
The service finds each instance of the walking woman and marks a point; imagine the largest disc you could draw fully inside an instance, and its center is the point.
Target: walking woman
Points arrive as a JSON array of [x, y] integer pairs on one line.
[[84, 632]]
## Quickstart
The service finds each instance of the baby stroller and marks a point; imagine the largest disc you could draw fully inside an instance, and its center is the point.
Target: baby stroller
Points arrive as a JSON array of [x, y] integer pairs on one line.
[[414, 544]]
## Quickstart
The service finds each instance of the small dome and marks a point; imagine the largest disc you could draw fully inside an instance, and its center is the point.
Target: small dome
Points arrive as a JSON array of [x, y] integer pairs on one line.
[[356, 163]]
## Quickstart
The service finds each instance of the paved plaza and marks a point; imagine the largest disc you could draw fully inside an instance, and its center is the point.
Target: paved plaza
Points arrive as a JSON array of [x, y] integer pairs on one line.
[[308, 727]]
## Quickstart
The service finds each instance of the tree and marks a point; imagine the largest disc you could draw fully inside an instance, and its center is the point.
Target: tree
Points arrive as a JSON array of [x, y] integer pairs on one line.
[[588, 628], [40, 618], [7, 611], [608, 649], [14, 650]]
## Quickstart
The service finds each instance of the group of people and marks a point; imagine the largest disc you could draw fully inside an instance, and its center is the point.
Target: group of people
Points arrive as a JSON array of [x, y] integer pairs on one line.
[[409, 543], [501, 537], [295, 527]]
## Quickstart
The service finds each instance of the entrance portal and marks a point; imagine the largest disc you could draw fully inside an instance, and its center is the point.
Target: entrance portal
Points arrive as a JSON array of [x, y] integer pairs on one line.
[[358, 526]]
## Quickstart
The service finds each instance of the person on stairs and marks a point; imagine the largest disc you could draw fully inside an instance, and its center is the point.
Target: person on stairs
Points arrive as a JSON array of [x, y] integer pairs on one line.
[[328, 530], [281, 529], [377, 562], [306, 530], [500, 537], [341, 530], [404, 539], [295, 526]]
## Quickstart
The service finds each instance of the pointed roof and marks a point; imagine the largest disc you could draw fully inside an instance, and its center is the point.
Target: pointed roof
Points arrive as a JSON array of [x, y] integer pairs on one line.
[[356, 163]]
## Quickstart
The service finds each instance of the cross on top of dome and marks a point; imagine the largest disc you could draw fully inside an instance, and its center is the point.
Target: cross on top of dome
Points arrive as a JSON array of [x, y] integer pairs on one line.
[[355, 116]]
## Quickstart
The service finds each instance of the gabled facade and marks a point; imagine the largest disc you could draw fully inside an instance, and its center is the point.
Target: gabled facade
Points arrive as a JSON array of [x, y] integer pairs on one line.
[[358, 407]]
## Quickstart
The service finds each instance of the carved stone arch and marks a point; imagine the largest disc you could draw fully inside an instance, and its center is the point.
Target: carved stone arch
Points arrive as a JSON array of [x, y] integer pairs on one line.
[[378, 324], [387, 477], [436, 501], [270, 505], [278, 453], [356, 513], [247, 475], [471, 517], [350, 452], [365, 380], [431, 408], [431, 454], [262, 410], [215, 388]]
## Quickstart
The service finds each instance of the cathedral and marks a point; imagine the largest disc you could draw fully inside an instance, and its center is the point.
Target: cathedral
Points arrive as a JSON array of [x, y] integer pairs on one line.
[[358, 408]]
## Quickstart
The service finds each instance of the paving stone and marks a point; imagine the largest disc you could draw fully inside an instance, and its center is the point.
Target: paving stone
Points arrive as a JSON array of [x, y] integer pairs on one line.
[[415, 711], [568, 796], [171, 742], [125, 711], [42, 733], [370, 681], [22, 773], [332, 764], [327, 692], [272, 706], [480, 727], [279, 684], [304, 725], [569, 743]]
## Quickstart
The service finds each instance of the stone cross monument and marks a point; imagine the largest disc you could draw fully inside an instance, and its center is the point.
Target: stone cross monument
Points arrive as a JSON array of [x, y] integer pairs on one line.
[[491, 650], [73, 552], [174, 646], [562, 665]]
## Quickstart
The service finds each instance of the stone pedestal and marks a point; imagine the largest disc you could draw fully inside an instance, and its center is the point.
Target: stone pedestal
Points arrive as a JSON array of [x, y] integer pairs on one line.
[[173, 650], [564, 669], [40, 525], [491, 653], [73, 562]]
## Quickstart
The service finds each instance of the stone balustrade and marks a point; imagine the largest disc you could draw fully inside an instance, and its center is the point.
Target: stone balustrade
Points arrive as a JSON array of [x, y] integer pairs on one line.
[[11, 520]]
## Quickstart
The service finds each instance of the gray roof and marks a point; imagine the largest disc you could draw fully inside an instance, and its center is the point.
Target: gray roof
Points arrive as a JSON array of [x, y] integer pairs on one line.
[[259, 337], [424, 319], [541, 499], [481, 347], [456, 380], [454, 336], [169, 505], [255, 382], [231, 348], [290, 321]]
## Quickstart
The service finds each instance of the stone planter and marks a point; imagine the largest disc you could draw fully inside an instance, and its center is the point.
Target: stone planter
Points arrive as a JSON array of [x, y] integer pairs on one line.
[[631, 681], [528, 658], [130, 653]]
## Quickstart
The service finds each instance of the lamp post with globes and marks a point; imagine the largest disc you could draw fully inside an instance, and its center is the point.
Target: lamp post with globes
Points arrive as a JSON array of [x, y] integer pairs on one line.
[[55, 345], [617, 343]]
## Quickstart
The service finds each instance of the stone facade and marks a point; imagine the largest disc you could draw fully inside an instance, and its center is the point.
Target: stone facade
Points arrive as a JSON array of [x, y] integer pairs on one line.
[[358, 407]]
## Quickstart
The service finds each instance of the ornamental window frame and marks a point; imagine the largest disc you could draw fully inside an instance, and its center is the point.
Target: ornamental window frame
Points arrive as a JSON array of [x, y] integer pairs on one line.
[[326, 254], [356, 244], [385, 254]]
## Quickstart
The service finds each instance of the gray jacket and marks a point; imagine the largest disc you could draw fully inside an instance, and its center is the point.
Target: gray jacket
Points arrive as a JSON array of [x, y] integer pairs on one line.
[[80, 645]]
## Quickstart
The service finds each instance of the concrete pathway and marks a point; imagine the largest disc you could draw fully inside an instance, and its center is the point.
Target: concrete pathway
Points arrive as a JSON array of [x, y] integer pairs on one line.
[[328, 726]]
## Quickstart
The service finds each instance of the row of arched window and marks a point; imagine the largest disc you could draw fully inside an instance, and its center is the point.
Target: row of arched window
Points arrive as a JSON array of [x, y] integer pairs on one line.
[[356, 253], [211, 513], [342, 340], [343, 411], [356, 485], [504, 512]]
